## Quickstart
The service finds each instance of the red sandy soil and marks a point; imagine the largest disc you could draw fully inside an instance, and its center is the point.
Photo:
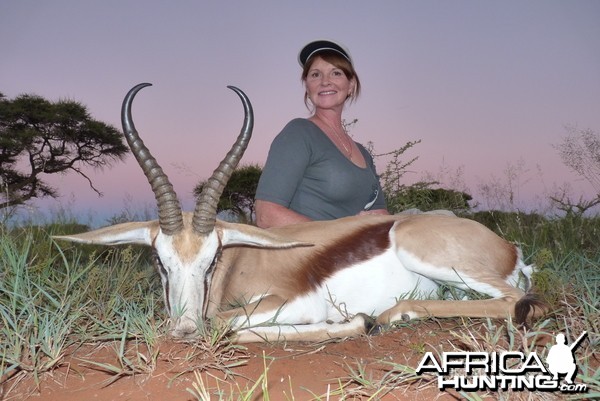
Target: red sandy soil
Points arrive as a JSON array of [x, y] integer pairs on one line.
[[296, 371]]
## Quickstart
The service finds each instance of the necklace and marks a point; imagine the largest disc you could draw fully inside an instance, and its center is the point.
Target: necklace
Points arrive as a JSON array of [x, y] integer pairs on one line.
[[348, 151], [347, 148]]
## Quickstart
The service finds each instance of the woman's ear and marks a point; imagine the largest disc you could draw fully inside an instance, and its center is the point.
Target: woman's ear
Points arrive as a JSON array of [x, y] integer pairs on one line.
[[352, 87]]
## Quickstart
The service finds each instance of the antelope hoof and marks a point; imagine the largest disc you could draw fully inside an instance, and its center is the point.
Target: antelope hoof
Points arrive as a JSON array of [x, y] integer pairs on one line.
[[377, 329], [368, 321]]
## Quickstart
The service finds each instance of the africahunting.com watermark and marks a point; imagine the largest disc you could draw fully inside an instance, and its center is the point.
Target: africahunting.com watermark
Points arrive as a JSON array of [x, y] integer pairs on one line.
[[511, 370]]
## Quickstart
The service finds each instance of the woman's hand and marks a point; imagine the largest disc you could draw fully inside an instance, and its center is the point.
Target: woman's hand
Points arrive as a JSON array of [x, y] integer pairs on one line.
[[372, 212]]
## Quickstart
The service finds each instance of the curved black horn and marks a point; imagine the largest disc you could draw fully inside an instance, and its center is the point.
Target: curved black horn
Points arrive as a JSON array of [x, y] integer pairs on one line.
[[205, 214], [169, 209]]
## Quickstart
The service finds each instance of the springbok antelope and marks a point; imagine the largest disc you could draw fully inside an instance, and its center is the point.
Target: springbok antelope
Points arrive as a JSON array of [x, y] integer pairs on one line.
[[302, 282]]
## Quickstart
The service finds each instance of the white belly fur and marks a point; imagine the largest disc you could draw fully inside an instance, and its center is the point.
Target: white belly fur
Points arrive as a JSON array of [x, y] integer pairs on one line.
[[370, 287], [373, 286]]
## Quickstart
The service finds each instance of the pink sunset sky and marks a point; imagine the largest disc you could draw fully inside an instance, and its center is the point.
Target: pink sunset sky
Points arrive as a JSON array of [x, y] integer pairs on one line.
[[485, 85]]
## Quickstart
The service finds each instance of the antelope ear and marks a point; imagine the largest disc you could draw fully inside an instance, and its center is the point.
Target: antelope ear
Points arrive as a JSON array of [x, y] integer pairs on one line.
[[244, 234], [141, 233]]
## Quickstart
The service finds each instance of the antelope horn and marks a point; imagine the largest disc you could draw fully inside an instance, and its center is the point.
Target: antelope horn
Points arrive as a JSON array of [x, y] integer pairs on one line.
[[205, 214], [169, 209]]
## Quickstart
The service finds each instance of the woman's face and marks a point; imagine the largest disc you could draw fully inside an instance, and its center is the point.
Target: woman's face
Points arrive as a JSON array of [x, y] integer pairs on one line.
[[326, 85]]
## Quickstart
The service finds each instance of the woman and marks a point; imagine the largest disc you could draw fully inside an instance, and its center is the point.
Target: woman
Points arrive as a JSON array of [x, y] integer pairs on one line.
[[314, 170]]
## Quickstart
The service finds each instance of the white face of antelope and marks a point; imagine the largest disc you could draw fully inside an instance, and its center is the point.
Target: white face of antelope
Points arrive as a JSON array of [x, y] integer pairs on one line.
[[185, 245], [186, 263]]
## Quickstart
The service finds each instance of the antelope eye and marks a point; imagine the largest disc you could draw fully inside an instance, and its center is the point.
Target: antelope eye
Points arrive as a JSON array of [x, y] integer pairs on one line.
[[157, 262]]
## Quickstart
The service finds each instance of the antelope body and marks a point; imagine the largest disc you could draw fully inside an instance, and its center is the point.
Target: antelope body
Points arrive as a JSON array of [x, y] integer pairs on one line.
[[303, 282]]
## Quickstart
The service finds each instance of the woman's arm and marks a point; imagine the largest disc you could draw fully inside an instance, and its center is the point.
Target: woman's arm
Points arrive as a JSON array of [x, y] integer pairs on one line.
[[269, 214]]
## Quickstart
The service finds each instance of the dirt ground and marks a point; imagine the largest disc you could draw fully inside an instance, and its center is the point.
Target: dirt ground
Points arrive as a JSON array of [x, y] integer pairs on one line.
[[294, 371]]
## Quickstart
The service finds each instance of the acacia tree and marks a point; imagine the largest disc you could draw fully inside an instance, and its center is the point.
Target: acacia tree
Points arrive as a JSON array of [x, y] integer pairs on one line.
[[40, 137]]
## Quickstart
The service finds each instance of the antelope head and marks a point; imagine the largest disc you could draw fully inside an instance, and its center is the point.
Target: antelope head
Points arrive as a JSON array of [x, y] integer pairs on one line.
[[186, 247]]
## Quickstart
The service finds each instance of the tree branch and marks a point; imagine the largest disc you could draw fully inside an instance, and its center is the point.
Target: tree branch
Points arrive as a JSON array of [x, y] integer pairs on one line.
[[81, 173]]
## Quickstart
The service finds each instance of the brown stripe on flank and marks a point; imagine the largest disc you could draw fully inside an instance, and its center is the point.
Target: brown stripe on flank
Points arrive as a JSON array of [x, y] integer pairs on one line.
[[358, 246], [512, 257]]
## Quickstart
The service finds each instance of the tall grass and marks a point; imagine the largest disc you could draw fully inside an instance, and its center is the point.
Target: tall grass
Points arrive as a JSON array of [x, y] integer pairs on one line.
[[535, 233], [52, 299]]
